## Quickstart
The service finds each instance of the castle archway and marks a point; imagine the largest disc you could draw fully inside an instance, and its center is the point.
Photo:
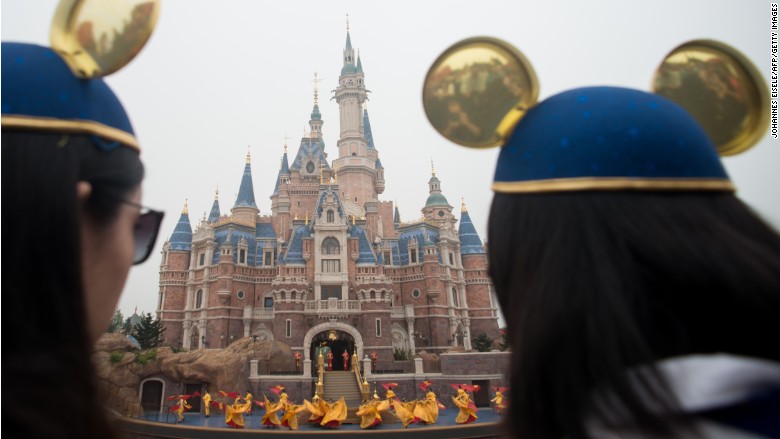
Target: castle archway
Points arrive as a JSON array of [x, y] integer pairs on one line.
[[351, 335]]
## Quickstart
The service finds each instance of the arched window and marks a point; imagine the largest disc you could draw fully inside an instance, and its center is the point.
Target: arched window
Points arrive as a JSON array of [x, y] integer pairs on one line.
[[199, 299], [330, 216], [330, 246]]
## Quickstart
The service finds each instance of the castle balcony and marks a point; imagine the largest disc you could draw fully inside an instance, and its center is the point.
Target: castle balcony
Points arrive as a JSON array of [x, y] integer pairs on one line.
[[397, 312], [263, 314], [332, 308]]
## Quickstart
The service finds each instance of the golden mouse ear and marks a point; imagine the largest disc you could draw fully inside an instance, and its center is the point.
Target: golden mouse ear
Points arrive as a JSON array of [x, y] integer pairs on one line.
[[98, 37], [477, 90], [721, 88]]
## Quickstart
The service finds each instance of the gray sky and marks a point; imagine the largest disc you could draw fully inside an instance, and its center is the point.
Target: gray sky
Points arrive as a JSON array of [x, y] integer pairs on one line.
[[218, 76]]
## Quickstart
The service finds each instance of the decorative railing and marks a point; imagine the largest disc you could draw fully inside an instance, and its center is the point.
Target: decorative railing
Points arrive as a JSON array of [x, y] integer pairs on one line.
[[263, 313], [393, 367], [333, 306], [397, 312], [320, 388], [362, 383]]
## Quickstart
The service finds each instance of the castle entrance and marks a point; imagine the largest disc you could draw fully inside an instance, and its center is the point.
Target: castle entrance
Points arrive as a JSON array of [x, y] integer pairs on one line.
[[336, 337], [333, 341]]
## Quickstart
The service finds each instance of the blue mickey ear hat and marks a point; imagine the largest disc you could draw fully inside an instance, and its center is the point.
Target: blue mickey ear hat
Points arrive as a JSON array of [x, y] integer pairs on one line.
[[708, 99], [60, 89]]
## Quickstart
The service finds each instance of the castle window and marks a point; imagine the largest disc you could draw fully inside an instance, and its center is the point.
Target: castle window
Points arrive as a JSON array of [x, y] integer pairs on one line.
[[455, 298], [329, 291], [268, 258], [331, 266], [452, 259], [268, 302], [242, 256], [198, 299], [288, 328], [330, 216], [240, 295], [413, 256], [160, 304], [330, 246], [387, 257], [416, 293], [378, 323], [201, 259]]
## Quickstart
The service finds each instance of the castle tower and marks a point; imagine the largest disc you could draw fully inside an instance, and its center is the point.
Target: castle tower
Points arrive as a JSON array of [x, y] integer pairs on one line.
[[437, 210], [245, 210], [356, 164], [173, 294]]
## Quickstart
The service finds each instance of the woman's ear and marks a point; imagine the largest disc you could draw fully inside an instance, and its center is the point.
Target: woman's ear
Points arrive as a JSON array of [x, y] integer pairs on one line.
[[83, 191]]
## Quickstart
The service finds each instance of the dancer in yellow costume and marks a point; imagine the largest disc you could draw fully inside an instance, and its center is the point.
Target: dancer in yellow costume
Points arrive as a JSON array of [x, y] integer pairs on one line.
[[468, 412], [207, 403], [271, 417], [371, 412], [180, 407], [499, 399], [335, 415], [427, 409], [317, 408], [248, 399], [290, 418], [399, 408], [234, 413]]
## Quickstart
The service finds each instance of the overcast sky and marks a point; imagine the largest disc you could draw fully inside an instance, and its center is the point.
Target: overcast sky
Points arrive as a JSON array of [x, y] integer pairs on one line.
[[218, 76]]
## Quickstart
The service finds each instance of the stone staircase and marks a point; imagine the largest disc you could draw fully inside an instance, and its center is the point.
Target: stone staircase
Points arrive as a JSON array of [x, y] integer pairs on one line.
[[339, 383]]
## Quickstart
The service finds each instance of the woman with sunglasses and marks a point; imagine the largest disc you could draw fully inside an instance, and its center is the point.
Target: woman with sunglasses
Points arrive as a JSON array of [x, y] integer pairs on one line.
[[73, 226]]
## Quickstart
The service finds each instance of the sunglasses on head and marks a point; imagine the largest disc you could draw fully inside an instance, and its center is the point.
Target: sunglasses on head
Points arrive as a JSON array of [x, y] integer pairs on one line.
[[145, 231]]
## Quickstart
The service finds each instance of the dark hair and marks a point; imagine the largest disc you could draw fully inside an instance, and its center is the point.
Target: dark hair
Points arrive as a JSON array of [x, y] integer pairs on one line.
[[593, 284], [48, 355]]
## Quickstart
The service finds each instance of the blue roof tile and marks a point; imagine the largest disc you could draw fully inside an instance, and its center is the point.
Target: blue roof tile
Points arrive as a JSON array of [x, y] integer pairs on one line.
[[181, 238], [470, 243]]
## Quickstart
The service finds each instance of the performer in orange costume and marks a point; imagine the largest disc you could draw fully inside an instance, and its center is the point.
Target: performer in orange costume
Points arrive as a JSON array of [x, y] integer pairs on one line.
[[499, 399], [317, 408], [371, 412], [335, 415]]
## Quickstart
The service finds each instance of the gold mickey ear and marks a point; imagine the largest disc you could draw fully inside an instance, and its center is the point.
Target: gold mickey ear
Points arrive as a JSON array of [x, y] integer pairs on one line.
[[477, 90], [99, 37], [721, 88]]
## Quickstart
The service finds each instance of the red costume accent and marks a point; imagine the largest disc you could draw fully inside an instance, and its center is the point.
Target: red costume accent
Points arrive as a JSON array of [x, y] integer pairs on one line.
[[345, 356]]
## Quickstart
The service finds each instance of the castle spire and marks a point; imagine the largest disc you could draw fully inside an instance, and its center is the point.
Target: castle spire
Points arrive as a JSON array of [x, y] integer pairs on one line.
[[463, 206], [181, 238], [214, 214], [246, 192], [470, 243], [248, 155]]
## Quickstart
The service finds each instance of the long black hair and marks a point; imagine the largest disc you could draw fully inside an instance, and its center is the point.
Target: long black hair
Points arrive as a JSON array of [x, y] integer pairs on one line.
[[48, 388], [593, 284]]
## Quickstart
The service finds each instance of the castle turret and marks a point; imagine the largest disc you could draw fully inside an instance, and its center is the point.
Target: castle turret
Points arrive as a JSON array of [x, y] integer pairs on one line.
[[437, 209], [245, 210], [470, 243], [214, 214]]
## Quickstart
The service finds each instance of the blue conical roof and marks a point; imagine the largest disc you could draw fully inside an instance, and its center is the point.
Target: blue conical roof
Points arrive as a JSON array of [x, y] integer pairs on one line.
[[214, 214], [367, 131], [181, 239], [359, 65], [469, 239], [315, 113], [285, 166], [246, 193], [397, 216], [349, 41]]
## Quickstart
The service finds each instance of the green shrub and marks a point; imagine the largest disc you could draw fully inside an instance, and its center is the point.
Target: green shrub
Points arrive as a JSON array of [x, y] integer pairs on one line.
[[144, 357], [401, 354], [482, 343], [116, 357]]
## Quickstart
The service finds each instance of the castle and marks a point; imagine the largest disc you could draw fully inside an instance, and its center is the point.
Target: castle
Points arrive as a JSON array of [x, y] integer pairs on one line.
[[332, 265]]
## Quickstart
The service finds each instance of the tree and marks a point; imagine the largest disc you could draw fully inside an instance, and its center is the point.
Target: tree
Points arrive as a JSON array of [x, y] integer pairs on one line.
[[148, 332], [117, 322], [482, 343]]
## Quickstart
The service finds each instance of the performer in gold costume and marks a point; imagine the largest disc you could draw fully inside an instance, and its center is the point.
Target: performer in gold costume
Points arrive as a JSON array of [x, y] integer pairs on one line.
[[234, 413], [317, 408], [336, 414], [499, 399], [406, 416], [371, 412], [207, 403], [271, 417], [180, 407], [468, 411]]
